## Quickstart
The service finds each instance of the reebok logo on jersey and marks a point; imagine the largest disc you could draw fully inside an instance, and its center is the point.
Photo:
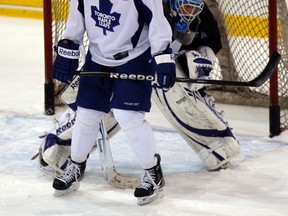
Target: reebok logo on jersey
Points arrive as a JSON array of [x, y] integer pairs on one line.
[[103, 16]]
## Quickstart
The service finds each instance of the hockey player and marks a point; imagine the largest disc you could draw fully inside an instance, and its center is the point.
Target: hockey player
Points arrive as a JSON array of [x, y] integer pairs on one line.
[[196, 40], [123, 37]]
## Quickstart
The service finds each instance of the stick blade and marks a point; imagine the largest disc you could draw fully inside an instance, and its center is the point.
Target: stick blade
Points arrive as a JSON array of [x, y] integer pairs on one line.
[[123, 182]]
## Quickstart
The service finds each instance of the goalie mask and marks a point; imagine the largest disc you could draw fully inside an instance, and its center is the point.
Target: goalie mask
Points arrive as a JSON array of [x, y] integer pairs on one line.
[[185, 12]]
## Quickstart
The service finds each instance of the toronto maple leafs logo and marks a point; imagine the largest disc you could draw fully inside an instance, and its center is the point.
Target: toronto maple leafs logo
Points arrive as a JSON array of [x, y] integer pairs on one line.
[[103, 16]]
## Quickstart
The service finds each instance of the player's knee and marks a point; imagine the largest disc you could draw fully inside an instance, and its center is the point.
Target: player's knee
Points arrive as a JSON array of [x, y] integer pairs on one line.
[[88, 117], [128, 119]]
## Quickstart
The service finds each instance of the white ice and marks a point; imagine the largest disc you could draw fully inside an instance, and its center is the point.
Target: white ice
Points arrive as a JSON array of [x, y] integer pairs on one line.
[[255, 184]]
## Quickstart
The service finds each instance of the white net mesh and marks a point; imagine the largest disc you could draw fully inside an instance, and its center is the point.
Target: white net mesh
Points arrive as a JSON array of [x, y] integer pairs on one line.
[[245, 39]]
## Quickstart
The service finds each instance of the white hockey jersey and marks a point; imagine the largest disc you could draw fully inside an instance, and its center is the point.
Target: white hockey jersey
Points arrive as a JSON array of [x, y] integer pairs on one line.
[[116, 27]]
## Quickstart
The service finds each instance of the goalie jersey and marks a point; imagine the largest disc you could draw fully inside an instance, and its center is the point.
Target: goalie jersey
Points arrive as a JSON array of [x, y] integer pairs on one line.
[[114, 36]]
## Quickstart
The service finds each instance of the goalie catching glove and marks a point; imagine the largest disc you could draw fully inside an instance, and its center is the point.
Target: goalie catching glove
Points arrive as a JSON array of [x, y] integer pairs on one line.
[[164, 64], [67, 60], [200, 64]]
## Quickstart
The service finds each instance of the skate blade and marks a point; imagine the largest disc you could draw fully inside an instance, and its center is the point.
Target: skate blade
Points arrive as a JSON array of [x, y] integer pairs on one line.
[[148, 199], [75, 186]]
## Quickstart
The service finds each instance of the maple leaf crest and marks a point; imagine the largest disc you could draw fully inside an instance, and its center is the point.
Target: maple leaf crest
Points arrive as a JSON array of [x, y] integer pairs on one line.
[[103, 16]]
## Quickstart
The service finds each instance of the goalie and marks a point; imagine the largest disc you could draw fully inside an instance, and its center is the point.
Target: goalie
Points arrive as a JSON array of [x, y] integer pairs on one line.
[[187, 106]]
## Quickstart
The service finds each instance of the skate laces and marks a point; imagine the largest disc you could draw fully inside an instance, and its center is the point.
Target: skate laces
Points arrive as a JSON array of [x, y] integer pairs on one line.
[[72, 172], [148, 179]]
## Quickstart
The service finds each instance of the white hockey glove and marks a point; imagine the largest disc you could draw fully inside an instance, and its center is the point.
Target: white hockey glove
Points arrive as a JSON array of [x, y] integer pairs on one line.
[[200, 65]]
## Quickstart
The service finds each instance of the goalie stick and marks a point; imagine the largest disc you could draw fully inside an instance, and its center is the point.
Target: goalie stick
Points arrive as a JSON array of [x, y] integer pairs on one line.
[[110, 174], [256, 82]]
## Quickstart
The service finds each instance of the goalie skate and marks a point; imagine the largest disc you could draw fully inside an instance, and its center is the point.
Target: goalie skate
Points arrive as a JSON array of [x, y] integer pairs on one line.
[[194, 116]]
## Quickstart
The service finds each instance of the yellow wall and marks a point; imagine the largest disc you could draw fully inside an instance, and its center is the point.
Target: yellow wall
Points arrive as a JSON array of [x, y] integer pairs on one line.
[[22, 8], [33, 3], [236, 26], [243, 26]]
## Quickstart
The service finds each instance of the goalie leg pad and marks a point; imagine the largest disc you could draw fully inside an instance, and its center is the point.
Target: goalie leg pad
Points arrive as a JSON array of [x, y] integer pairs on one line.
[[220, 153], [56, 152], [197, 121]]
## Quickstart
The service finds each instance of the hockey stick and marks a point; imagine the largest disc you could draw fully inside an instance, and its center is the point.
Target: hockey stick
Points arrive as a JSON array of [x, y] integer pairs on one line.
[[110, 174], [258, 81]]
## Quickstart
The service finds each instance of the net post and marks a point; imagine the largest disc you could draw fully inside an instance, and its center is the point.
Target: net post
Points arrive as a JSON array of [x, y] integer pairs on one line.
[[274, 108], [49, 103]]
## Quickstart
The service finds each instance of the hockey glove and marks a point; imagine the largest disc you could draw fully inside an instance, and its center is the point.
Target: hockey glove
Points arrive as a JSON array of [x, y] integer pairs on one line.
[[199, 66], [66, 61], [166, 70]]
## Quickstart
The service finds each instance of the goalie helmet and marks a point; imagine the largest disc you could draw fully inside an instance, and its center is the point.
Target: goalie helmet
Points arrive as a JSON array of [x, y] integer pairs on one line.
[[185, 11]]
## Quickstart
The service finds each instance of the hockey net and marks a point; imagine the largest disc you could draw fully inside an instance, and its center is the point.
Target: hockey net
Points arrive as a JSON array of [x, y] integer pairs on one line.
[[244, 27]]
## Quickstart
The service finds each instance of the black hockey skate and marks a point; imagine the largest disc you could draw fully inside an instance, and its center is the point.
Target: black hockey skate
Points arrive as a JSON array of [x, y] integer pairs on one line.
[[69, 180], [151, 186]]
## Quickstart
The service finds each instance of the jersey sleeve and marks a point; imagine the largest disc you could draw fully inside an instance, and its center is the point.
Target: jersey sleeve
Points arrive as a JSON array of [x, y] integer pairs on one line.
[[160, 33], [75, 27]]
